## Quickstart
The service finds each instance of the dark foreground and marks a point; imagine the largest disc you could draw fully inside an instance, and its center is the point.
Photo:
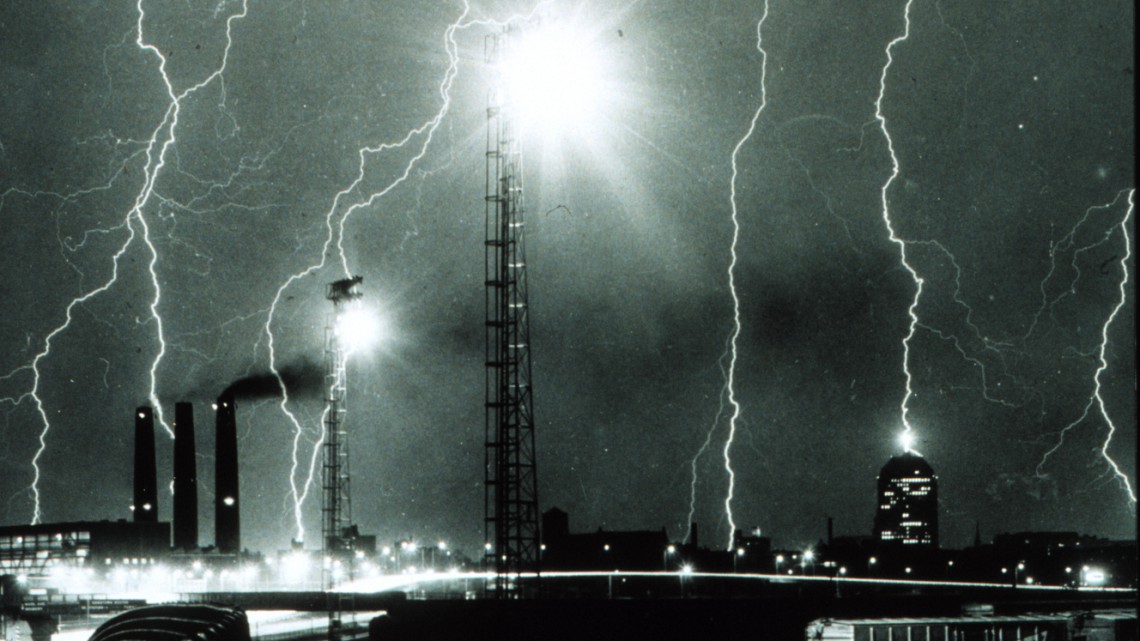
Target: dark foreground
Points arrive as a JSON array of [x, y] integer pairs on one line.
[[773, 618]]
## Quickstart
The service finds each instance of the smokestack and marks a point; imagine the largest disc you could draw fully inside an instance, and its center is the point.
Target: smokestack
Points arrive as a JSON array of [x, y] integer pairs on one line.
[[227, 508], [145, 504], [693, 534], [185, 479]]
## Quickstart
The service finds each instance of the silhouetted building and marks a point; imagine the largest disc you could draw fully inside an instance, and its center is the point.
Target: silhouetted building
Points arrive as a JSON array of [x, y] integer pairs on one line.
[[185, 479], [227, 507], [555, 526], [751, 552], [1040, 543], [907, 513], [33, 549], [145, 501], [630, 550]]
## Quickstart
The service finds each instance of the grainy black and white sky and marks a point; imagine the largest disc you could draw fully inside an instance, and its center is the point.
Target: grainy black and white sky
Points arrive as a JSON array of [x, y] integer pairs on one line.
[[1013, 127]]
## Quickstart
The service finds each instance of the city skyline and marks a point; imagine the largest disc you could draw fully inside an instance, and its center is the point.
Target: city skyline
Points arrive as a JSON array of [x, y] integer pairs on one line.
[[1012, 131]]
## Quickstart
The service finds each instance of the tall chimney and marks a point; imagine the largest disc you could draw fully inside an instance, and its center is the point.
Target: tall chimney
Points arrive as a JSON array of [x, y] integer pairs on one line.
[[693, 534], [185, 479], [145, 504], [227, 507]]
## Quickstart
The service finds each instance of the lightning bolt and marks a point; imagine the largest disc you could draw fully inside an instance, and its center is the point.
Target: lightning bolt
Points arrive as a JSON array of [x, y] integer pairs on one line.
[[335, 219], [730, 380], [1102, 362], [161, 140], [705, 445], [904, 406]]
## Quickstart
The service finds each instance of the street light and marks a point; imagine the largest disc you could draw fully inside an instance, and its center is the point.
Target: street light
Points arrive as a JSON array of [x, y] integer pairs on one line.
[[669, 551], [779, 561], [739, 554], [686, 570]]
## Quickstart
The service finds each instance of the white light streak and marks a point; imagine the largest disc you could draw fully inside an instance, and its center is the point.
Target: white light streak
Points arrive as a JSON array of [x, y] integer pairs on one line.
[[705, 445], [730, 382], [163, 137], [904, 407], [335, 220], [1102, 362]]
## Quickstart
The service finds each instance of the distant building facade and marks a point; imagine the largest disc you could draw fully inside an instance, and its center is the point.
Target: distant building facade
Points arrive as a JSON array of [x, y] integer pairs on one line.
[[907, 512], [35, 549], [645, 550]]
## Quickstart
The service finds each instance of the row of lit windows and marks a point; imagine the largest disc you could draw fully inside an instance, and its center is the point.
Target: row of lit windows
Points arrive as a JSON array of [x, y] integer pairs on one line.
[[44, 541], [131, 561], [908, 489]]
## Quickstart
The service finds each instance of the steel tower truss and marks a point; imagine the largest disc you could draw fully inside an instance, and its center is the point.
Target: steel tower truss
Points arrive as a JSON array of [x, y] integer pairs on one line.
[[336, 508], [510, 484]]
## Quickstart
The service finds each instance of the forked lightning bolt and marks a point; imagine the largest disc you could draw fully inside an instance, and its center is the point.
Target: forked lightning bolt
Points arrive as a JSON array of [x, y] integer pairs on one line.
[[904, 407], [335, 220], [730, 380], [705, 445], [1102, 363], [159, 143]]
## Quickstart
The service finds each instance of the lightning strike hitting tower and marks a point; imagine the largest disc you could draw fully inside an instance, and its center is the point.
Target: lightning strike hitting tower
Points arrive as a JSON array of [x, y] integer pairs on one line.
[[510, 486], [336, 508]]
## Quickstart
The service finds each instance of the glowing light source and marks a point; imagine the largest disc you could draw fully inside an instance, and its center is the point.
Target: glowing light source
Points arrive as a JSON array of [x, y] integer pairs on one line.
[[906, 440], [552, 78], [1094, 576], [358, 329]]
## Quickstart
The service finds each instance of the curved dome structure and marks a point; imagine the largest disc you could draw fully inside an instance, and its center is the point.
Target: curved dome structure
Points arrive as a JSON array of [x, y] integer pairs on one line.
[[908, 464]]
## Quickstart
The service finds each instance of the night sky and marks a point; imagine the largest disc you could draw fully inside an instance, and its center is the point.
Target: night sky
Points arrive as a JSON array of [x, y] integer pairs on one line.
[[1013, 128]]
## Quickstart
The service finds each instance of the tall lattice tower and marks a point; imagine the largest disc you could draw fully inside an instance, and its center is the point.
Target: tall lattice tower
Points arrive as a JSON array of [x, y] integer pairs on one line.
[[510, 484], [336, 509]]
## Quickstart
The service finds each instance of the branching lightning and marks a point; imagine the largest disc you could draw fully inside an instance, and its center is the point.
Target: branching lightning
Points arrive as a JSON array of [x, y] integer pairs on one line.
[[1102, 363], [907, 436], [336, 219], [156, 147], [705, 445], [730, 380]]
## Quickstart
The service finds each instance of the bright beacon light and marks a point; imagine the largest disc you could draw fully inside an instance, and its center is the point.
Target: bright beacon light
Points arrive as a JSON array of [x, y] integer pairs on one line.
[[906, 440], [358, 329], [552, 79]]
